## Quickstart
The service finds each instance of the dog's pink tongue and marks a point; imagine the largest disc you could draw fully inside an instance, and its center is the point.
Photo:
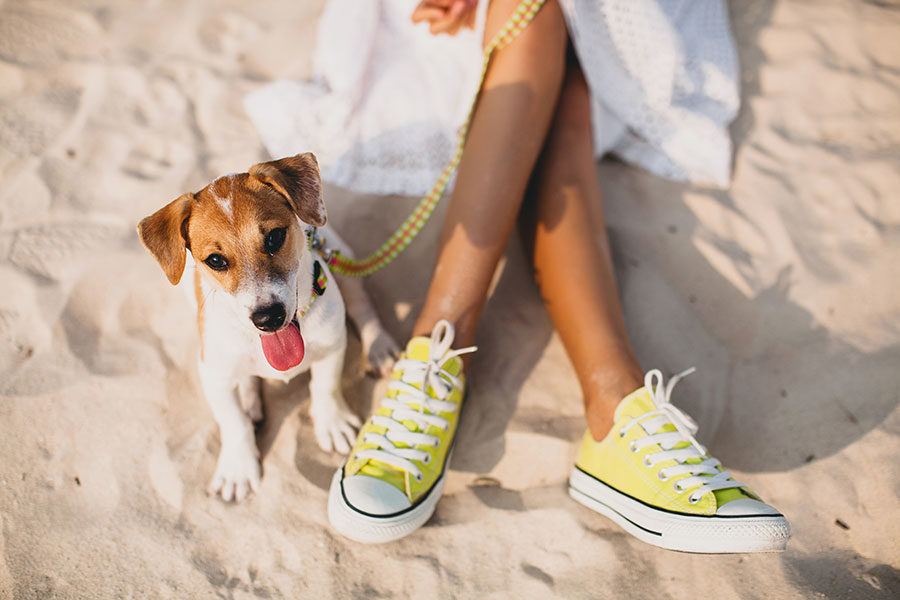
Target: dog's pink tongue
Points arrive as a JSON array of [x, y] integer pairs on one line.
[[283, 349]]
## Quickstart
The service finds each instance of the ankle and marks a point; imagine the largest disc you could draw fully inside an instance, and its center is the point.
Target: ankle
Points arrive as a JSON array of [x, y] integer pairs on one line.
[[603, 394], [599, 422], [463, 337], [464, 328]]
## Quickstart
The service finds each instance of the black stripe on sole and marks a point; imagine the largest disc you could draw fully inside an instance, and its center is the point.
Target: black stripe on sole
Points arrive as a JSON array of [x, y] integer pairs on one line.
[[665, 510], [650, 531]]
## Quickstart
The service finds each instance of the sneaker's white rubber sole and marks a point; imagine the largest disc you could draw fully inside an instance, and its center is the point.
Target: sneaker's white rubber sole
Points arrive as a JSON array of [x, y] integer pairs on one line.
[[688, 533], [372, 529]]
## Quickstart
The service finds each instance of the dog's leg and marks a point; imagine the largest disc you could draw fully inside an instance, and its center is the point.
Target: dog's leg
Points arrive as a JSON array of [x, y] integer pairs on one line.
[[378, 346], [334, 423], [238, 470], [251, 399]]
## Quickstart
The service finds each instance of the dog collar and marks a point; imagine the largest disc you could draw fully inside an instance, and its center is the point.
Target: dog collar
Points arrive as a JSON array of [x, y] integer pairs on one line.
[[320, 274], [317, 244]]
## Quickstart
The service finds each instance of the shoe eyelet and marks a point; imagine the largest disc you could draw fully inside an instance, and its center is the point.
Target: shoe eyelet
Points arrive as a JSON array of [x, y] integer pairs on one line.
[[419, 477], [647, 462], [427, 459], [678, 487], [621, 433], [662, 476], [436, 443], [693, 500], [632, 446]]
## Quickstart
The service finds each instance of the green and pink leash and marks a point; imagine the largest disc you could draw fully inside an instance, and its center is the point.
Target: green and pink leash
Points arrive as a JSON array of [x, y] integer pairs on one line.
[[410, 228]]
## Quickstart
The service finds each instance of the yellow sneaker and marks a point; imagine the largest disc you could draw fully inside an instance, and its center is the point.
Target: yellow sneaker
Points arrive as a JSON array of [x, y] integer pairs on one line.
[[654, 479], [392, 479]]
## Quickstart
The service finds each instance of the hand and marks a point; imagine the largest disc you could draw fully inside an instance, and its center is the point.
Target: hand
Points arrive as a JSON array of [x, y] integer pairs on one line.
[[446, 16]]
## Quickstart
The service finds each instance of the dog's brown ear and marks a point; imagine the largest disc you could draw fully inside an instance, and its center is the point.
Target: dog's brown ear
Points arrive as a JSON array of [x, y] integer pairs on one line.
[[164, 234], [297, 179]]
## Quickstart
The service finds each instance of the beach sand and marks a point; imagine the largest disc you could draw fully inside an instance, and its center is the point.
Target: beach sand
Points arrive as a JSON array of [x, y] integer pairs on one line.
[[782, 290]]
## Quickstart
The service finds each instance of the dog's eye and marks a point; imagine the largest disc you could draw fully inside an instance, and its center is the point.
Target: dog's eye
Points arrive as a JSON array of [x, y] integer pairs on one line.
[[216, 262], [274, 240]]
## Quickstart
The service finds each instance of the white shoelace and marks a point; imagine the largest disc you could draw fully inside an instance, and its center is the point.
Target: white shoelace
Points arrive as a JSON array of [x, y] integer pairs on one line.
[[703, 474], [414, 404]]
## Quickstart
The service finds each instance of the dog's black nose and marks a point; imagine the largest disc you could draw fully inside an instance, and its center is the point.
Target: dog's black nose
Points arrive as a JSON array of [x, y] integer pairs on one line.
[[269, 318]]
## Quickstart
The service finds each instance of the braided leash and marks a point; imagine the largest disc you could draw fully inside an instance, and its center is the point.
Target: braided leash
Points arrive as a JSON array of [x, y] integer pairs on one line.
[[407, 232]]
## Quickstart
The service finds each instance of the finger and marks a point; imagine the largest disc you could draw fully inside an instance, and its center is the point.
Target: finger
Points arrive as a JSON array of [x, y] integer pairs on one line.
[[460, 18], [453, 16], [456, 27], [470, 17], [427, 13]]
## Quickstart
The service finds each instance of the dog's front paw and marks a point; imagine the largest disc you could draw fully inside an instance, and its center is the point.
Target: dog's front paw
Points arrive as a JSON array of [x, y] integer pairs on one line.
[[335, 425], [379, 348], [237, 473]]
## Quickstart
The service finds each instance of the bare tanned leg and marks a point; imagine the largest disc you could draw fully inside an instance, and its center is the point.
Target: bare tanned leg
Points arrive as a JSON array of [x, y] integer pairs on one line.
[[506, 135], [572, 259]]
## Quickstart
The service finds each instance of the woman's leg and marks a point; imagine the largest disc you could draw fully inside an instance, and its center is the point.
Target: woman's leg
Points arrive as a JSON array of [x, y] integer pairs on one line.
[[572, 259], [679, 499], [393, 477], [505, 138]]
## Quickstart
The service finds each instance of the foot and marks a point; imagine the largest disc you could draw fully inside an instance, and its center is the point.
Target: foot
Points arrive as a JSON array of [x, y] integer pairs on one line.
[[379, 348], [652, 477], [391, 482], [238, 471], [334, 423]]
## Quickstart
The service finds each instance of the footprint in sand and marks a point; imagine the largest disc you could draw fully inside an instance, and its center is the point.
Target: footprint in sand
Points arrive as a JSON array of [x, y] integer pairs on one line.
[[32, 122], [228, 33], [36, 34], [164, 477], [49, 250]]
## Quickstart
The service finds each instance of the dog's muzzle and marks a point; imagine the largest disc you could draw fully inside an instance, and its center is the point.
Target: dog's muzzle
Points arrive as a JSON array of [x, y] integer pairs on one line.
[[269, 318]]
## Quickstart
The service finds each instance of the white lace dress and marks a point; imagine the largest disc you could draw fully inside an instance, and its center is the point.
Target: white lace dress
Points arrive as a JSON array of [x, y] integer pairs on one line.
[[387, 98]]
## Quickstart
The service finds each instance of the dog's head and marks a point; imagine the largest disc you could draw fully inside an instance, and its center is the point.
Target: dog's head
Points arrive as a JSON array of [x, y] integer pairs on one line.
[[244, 234]]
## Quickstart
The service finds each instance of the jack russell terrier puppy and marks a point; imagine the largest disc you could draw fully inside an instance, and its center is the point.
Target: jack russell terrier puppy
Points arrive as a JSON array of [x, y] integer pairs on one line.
[[264, 304]]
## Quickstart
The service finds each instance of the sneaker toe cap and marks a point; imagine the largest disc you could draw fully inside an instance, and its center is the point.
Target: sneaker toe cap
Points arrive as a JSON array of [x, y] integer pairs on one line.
[[745, 507], [373, 496]]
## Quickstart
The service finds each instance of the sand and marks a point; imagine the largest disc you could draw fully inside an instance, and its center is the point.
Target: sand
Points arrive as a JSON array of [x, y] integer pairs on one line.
[[782, 290]]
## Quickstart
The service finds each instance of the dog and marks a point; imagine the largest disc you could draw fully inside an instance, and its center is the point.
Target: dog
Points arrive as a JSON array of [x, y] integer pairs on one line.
[[266, 307]]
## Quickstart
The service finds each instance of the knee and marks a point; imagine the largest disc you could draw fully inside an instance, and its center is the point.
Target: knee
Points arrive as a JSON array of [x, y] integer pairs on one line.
[[545, 36]]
